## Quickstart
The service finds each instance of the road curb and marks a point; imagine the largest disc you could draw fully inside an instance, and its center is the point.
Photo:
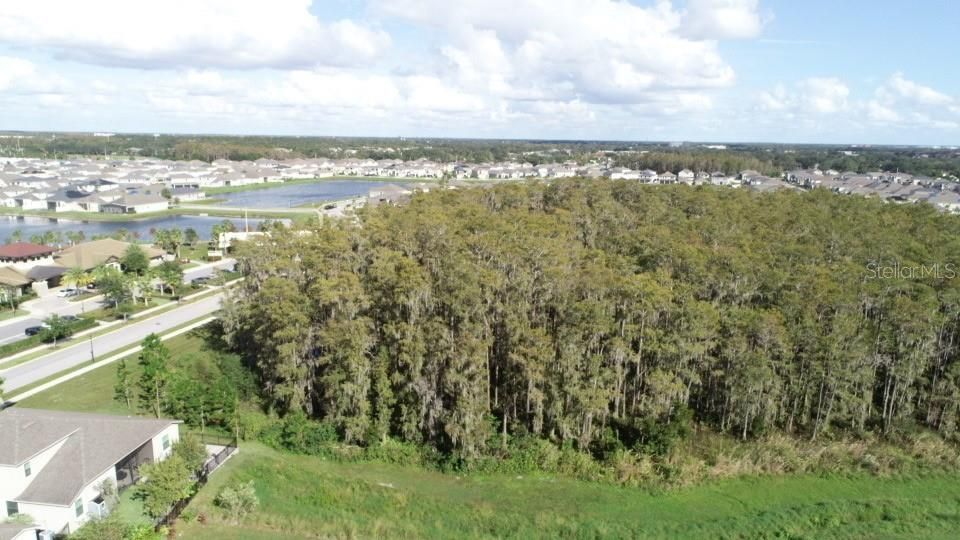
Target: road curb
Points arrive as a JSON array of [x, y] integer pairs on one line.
[[100, 363]]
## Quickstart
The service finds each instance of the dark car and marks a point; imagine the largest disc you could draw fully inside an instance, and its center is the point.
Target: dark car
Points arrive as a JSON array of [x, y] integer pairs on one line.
[[201, 280], [33, 330], [70, 318]]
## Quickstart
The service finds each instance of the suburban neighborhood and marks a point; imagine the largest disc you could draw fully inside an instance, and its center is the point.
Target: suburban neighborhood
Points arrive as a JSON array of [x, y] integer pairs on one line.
[[145, 186]]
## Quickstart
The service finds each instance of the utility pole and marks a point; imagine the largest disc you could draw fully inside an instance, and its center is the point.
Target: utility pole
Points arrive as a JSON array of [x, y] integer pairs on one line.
[[91, 349]]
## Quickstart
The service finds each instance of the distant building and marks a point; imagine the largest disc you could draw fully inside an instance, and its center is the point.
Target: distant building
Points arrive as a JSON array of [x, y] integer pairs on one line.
[[136, 204]]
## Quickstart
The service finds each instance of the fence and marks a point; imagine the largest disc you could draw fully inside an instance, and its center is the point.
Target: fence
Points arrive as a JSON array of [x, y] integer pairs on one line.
[[229, 445]]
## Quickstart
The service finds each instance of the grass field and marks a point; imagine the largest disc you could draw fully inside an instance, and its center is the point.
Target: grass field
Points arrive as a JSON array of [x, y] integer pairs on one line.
[[307, 497]]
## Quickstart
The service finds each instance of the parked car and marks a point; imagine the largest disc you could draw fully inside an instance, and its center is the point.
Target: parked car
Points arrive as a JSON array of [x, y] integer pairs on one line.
[[70, 318], [201, 280], [68, 292], [34, 330]]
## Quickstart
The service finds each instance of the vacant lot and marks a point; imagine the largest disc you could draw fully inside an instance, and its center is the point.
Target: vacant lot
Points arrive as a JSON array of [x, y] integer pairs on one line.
[[305, 497]]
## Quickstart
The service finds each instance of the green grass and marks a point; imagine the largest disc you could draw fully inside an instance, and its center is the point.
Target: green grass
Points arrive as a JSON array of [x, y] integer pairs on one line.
[[93, 391], [307, 497], [10, 314], [130, 509]]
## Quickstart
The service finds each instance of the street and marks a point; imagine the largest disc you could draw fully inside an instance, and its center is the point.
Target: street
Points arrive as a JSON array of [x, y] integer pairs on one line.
[[79, 353], [41, 308]]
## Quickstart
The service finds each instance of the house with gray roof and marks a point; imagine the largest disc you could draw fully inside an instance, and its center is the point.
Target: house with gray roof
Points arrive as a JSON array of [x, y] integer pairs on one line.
[[54, 464]]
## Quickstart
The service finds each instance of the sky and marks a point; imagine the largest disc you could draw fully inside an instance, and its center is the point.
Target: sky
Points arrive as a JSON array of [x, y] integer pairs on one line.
[[812, 71]]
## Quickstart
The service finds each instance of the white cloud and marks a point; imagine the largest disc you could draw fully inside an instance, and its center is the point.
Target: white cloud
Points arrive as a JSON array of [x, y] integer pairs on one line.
[[923, 95], [902, 102], [591, 51], [14, 70], [824, 94], [188, 33], [722, 19], [812, 96]]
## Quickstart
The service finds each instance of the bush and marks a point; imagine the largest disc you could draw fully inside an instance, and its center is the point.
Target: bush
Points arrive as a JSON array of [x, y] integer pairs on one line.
[[395, 452], [238, 500], [297, 433]]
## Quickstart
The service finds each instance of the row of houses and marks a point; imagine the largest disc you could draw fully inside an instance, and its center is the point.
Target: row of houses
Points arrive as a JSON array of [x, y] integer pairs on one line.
[[26, 265], [893, 187], [149, 185]]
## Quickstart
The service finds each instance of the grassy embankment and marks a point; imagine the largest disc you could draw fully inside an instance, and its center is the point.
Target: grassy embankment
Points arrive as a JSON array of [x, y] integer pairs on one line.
[[308, 497], [304, 497], [178, 211]]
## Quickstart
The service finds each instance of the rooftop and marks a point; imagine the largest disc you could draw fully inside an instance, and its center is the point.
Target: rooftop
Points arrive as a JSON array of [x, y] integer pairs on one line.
[[92, 443], [24, 250]]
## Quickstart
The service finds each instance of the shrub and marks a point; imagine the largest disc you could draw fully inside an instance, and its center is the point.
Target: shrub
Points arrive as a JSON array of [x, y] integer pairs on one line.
[[238, 500]]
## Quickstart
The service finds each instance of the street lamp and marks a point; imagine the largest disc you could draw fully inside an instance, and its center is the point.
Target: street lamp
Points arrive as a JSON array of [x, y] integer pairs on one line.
[[91, 349]]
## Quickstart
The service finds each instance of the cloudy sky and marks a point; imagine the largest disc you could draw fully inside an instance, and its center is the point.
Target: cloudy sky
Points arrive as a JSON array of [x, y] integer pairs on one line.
[[868, 71]]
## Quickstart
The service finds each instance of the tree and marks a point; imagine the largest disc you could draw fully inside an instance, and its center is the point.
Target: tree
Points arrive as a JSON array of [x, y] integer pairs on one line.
[[166, 193], [166, 483], [238, 500], [135, 260], [10, 296], [57, 328], [75, 237], [192, 450], [78, 277], [170, 274], [124, 309], [154, 362], [190, 236], [116, 287], [123, 390], [2, 381]]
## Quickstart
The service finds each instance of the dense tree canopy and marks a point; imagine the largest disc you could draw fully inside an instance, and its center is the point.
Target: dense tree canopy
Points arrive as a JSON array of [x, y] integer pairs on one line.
[[578, 311]]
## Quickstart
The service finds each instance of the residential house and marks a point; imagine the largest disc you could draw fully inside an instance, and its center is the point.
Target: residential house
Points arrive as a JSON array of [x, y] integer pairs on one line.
[[54, 465], [686, 176], [136, 204], [106, 251], [22, 256], [187, 194], [667, 177]]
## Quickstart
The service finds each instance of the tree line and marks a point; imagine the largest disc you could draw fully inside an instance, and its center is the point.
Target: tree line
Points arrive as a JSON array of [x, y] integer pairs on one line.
[[587, 312]]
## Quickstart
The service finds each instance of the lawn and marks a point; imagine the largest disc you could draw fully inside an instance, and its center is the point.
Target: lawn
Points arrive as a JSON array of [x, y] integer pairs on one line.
[[6, 313], [307, 497], [93, 391]]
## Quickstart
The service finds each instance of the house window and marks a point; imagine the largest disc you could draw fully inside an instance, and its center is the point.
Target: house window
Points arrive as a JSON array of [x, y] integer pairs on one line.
[[13, 508], [26, 469], [165, 442], [78, 507]]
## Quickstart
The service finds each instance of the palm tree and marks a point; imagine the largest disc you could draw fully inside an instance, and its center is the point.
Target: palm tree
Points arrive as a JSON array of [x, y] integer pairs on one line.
[[80, 278]]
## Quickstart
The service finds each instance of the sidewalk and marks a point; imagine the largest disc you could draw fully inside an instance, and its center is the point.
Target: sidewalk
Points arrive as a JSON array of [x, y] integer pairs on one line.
[[90, 367], [101, 326]]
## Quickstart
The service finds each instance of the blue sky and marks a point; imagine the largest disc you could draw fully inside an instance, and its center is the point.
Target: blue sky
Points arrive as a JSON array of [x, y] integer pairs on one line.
[[874, 72]]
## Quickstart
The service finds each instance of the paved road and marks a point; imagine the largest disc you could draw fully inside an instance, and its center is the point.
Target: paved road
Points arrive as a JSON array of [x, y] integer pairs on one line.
[[79, 353], [44, 307]]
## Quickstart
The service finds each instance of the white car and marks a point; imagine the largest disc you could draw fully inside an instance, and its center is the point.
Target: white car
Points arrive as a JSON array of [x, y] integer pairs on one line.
[[68, 292]]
